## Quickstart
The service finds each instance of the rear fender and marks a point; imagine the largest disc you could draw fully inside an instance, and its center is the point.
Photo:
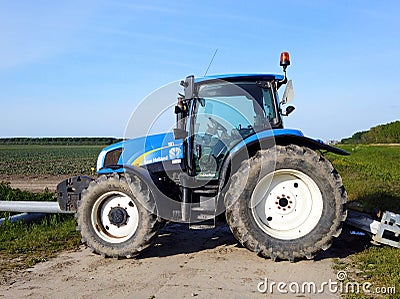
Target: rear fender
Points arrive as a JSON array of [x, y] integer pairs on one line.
[[248, 149], [310, 143]]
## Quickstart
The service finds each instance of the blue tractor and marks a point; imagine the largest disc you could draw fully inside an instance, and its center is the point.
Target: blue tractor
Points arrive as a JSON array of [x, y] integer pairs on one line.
[[228, 154]]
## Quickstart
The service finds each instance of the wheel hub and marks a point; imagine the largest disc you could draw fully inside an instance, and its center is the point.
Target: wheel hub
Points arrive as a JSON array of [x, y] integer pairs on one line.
[[282, 201], [118, 216]]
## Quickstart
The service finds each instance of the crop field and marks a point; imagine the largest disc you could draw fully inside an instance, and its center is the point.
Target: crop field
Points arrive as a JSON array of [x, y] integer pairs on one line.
[[47, 160], [371, 175]]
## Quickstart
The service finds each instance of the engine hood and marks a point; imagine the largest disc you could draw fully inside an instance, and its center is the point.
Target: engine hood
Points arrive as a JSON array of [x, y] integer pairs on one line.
[[141, 151]]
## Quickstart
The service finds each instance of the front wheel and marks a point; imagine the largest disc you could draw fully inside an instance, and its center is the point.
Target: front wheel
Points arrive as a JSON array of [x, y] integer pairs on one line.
[[114, 216], [286, 203]]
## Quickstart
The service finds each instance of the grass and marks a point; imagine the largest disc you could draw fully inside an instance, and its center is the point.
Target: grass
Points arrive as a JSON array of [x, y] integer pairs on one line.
[[371, 175], [23, 245]]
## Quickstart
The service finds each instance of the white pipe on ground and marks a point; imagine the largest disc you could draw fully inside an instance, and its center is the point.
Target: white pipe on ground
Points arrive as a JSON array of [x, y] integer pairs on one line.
[[25, 217], [31, 207]]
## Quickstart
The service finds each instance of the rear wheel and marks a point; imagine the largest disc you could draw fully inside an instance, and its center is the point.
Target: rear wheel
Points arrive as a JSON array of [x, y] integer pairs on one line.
[[286, 208], [114, 216]]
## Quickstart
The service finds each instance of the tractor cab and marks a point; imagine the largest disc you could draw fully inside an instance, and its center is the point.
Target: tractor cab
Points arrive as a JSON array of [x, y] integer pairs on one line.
[[218, 112]]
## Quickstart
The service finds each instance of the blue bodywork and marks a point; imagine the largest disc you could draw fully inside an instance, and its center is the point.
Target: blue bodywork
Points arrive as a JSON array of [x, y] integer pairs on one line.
[[163, 147], [144, 151]]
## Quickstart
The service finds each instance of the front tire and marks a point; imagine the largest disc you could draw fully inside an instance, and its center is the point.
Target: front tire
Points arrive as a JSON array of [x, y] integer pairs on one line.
[[286, 208], [116, 216]]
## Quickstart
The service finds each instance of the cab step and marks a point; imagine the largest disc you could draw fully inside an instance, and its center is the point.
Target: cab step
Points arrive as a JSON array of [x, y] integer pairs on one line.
[[206, 224]]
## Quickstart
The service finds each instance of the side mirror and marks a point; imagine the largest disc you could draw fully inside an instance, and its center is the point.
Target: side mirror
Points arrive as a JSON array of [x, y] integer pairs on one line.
[[289, 109], [188, 86], [288, 94], [180, 134]]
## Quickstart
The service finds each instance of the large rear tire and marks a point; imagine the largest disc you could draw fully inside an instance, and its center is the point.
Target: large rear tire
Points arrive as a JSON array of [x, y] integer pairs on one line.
[[116, 216], [286, 208]]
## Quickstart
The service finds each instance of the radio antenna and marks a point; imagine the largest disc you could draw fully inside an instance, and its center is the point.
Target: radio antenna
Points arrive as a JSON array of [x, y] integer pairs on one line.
[[212, 59]]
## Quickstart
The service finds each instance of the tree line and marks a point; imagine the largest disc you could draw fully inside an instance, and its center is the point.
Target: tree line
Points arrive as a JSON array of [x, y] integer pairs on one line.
[[387, 133], [59, 141]]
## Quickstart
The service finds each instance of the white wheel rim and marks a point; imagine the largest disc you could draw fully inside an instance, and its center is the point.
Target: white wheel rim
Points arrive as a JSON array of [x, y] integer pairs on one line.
[[104, 226], [287, 204]]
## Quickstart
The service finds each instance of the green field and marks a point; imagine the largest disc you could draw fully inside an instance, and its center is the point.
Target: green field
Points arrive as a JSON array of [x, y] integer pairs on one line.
[[45, 160], [371, 175]]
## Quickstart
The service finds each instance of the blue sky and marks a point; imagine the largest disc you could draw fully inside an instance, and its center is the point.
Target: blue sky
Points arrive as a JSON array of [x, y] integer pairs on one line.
[[79, 68]]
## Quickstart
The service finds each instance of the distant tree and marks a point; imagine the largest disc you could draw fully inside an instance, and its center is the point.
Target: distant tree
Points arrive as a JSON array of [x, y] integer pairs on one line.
[[387, 133], [59, 141]]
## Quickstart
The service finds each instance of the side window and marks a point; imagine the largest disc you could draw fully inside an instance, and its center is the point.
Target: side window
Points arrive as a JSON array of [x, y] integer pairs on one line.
[[221, 122], [268, 104]]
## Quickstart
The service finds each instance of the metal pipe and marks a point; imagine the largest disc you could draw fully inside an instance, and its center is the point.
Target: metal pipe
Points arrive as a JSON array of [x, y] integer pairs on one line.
[[362, 221], [31, 207], [25, 217], [186, 200]]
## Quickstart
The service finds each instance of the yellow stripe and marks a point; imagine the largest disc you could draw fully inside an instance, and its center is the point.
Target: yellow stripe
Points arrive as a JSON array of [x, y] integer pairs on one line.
[[139, 160]]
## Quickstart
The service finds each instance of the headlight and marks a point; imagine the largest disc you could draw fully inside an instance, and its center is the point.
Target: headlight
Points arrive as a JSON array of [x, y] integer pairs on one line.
[[100, 160]]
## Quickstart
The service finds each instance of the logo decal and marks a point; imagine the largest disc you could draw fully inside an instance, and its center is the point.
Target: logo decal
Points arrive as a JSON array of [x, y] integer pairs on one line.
[[174, 153]]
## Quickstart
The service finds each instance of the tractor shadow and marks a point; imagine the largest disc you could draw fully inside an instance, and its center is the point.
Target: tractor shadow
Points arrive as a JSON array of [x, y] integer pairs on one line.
[[177, 238], [345, 245]]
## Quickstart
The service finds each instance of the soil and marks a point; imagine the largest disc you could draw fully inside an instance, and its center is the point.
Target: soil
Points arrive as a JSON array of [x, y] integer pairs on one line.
[[182, 263], [34, 183]]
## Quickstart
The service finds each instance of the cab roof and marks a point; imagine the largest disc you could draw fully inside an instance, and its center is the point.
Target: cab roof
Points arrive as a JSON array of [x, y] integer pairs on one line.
[[230, 77]]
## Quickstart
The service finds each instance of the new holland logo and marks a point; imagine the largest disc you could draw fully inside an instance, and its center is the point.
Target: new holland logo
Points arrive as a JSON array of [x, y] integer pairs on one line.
[[174, 153]]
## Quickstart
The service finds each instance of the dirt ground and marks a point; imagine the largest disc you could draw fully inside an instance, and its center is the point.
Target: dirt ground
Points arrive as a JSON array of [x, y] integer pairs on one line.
[[182, 263], [34, 184]]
